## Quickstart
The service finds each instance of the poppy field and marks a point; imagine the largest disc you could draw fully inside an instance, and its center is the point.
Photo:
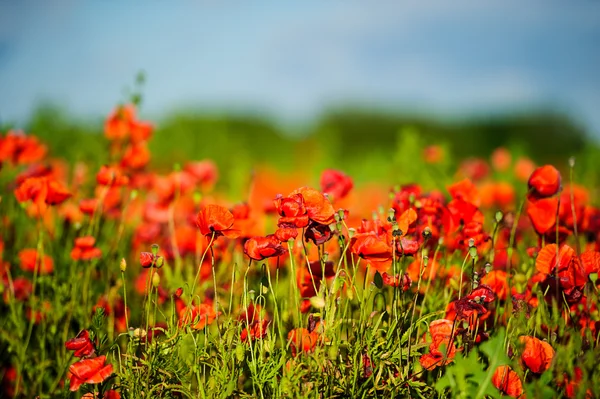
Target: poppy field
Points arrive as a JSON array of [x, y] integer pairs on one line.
[[127, 280]]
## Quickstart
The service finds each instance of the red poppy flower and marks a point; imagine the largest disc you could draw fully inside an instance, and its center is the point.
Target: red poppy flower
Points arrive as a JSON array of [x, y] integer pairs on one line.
[[112, 394], [403, 282], [507, 381], [256, 330], [464, 190], [283, 234], [259, 248], [433, 154], [406, 220], [371, 247], [197, 317], [140, 131], [117, 125], [148, 259], [42, 190], [81, 344], [407, 247], [537, 355], [336, 183], [551, 259], [205, 172], [85, 250], [20, 149], [90, 371], [501, 159], [318, 207], [442, 349], [497, 281], [217, 220], [542, 214], [301, 340], [136, 156], [524, 167], [544, 182], [21, 290], [88, 206], [474, 168], [590, 261], [292, 211], [111, 176], [30, 258]]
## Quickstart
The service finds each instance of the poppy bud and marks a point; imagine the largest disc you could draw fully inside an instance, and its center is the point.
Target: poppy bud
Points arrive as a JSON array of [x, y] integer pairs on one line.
[[155, 280], [123, 265], [178, 292], [544, 182], [499, 216]]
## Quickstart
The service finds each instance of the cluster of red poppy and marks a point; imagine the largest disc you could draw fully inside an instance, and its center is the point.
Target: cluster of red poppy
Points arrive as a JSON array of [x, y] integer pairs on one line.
[[316, 230]]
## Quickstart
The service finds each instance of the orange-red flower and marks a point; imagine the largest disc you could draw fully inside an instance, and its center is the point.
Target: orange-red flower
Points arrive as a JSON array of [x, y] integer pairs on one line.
[[370, 247], [542, 214], [292, 211], [537, 355], [256, 330], [433, 154], [507, 381], [335, 183], [42, 190], [136, 156], [85, 250], [464, 190], [111, 176], [501, 159], [122, 124], [204, 172], [148, 259], [217, 220], [90, 371], [19, 148], [198, 317], [442, 349], [318, 207], [81, 344], [30, 259], [403, 282], [302, 340], [259, 248], [497, 281], [544, 182]]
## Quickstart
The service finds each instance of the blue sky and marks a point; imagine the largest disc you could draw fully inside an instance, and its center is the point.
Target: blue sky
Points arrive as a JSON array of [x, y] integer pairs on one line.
[[291, 59]]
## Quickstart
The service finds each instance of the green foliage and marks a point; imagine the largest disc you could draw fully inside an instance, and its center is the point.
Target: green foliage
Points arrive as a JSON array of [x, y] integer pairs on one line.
[[470, 376]]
